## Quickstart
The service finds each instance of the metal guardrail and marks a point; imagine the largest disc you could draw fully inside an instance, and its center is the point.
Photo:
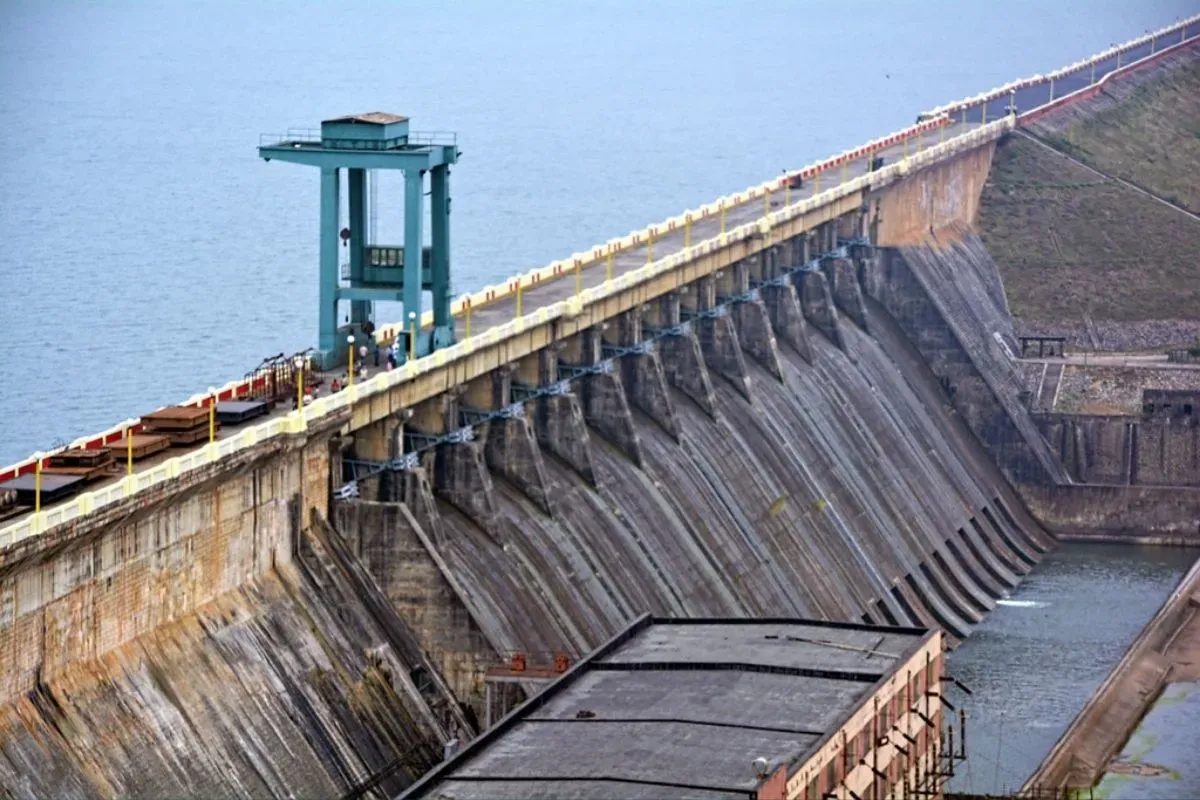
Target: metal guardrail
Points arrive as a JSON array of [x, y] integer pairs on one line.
[[313, 136], [297, 421], [1161, 39]]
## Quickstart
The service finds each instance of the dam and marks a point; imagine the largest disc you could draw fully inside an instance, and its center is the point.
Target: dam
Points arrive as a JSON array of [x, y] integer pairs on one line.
[[807, 399]]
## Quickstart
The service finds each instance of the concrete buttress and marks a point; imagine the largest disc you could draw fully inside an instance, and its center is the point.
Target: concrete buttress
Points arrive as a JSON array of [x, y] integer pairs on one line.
[[560, 428], [418, 497], [647, 383], [723, 352], [511, 451], [683, 365], [756, 335], [606, 409], [510, 447], [847, 294], [816, 300], [643, 375], [459, 473], [461, 477], [783, 307], [605, 406]]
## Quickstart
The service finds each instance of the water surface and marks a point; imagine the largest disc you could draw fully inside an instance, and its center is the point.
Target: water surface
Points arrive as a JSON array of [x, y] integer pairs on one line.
[[148, 253], [1036, 659]]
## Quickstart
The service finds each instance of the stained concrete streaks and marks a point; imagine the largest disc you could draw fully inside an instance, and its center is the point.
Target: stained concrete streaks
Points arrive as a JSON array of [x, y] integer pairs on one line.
[[846, 490]]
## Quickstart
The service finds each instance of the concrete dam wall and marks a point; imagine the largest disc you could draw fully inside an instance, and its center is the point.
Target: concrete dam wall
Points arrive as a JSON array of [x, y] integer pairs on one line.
[[818, 473], [209, 642]]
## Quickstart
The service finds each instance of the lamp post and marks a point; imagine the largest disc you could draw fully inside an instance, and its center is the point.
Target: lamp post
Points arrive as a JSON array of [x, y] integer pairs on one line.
[[212, 415], [37, 483], [412, 335], [350, 343], [298, 364]]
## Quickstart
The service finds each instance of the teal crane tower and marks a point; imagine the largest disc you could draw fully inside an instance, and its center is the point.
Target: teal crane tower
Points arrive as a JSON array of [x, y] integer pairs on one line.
[[378, 272]]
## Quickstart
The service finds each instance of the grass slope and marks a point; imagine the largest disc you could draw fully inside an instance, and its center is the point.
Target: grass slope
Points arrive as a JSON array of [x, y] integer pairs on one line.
[[1080, 252]]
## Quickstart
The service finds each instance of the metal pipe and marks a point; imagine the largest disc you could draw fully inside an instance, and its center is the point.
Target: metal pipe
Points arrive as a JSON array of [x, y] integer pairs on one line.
[[212, 418], [37, 485], [129, 451], [350, 345]]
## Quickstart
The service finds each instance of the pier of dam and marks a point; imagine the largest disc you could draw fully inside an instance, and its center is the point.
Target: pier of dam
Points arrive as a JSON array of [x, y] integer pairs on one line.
[[806, 399]]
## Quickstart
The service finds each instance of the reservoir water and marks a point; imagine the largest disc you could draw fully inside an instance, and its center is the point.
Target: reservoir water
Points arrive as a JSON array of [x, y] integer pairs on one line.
[[1037, 658], [149, 253]]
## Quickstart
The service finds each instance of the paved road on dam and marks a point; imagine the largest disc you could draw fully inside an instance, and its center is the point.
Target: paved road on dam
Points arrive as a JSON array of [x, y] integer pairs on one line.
[[635, 257]]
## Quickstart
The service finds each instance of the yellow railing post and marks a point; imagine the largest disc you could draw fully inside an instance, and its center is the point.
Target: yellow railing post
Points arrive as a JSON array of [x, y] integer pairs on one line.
[[817, 189], [37, 484], [845, 167], [722, 217], [129, 451], [650, 247], [578, 277], [787, 193], [687, 231], [920, 141], [608, 265], [906, 147], [983, 114], [212, 415], [767, 203], [350, 346], [519, 289], [941, 134], [299, 383], [412, 336], [468, 319], [1092, 79]]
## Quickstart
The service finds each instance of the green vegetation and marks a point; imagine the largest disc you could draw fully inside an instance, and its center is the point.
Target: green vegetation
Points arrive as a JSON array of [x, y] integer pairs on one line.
[[1069, 244], [1150, 138], [1072, 243]]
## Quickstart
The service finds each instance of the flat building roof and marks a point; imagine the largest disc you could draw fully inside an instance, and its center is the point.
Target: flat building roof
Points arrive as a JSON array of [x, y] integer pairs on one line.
[[679, 708]]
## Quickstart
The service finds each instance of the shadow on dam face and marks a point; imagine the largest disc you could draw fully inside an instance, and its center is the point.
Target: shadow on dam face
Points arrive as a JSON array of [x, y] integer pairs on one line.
[[844, 489]]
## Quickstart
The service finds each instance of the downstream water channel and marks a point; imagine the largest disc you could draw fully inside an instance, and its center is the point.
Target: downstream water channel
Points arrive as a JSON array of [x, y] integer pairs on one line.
[[1037, 658]]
